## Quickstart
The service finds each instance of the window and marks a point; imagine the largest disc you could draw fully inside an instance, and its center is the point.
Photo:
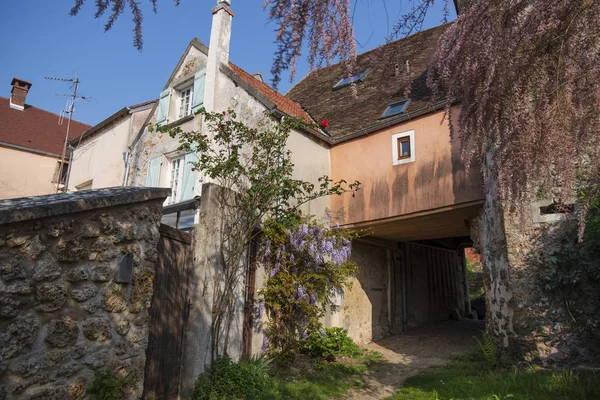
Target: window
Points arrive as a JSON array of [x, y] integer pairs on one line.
[[395, 108], [347, 81], [403, 147], [175, 177], [180, 216], [62, 172], [185, 102]]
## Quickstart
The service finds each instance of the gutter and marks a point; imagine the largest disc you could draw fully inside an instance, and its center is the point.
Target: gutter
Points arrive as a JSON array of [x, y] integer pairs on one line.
[[19, 147], [389, 122], [386, 123]]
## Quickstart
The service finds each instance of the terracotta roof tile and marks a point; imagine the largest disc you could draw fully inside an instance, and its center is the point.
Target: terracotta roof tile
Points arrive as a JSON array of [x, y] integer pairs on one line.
[[283, 103], [35, 128], [382, 85]]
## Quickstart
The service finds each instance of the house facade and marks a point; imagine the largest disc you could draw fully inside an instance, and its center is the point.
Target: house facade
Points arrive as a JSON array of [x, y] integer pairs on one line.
[[31, 146], [101, 154], [416, 200]]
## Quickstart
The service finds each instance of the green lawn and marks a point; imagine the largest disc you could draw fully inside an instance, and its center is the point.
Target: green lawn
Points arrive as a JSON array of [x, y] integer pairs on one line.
[[320, 380], [326, 381], [469, 377]]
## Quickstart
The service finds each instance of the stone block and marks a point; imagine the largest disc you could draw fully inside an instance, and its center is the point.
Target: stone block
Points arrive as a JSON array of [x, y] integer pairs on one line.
[[102, 273], [17, 240], [143, 279], [84, 293], [115, 297], [97, 329], [77, 274], [50, 297], [46, 270], [18, 336], [91, 306], [123, 326], [77, 390], [11, 269], [62, 332], [9, 308], [71, 250], [33, 248], [20, 287]]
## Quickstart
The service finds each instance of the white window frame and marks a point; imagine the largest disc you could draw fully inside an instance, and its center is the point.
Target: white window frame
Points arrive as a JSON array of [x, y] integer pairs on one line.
[[386, 113], [349, 80], [178, 182], [181, 113], [395, 155]]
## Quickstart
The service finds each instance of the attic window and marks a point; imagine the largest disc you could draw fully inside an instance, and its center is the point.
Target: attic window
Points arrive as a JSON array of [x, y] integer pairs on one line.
[[395, 108], [347, 81]]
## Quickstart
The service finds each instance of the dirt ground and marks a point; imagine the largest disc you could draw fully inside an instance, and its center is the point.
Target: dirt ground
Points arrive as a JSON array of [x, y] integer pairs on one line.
[[413, 351]]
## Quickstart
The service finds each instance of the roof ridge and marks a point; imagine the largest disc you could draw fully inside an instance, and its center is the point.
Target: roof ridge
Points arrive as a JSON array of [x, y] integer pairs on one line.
[[143, 103], [256, 82]]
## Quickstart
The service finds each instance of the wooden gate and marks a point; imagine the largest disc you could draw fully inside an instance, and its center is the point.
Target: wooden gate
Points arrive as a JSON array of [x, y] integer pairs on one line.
[[168, 315]]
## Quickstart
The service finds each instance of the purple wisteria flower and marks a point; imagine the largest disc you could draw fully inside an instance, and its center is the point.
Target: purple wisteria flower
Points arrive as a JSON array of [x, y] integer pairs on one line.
[[275, 269], [261, 309], [301, 292], [267, 250], [292, 258], [312, 299], [265, 344], [322, 332]]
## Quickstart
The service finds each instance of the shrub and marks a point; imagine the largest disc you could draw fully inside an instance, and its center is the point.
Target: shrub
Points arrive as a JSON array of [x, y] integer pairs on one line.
[[107, 385], [225, 380], [330, 341]]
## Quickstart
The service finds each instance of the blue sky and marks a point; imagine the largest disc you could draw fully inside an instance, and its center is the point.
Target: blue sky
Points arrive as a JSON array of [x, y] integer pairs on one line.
[[38, 38]]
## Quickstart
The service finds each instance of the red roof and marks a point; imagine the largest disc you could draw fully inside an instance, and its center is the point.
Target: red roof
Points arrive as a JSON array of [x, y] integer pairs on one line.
[[287, 105], [35, 129]]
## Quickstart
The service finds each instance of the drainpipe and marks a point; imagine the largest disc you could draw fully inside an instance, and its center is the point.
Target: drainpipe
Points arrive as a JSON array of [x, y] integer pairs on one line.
[[404, 292], [126, 160], [71, 148]]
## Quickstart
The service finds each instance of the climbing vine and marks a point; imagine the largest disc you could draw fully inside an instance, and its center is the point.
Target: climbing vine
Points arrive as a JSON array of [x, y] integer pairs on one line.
[[307, 265]]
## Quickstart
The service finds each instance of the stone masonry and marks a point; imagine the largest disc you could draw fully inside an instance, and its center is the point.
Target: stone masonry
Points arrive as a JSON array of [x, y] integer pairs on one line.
[[63, 315]]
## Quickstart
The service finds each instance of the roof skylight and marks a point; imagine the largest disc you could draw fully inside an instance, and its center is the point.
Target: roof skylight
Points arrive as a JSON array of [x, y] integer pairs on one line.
[[347, 81], [395, 108]]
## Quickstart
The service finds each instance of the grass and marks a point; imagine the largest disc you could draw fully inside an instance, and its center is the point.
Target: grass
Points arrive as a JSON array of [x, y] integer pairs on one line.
[[470, 377], [306, 378]]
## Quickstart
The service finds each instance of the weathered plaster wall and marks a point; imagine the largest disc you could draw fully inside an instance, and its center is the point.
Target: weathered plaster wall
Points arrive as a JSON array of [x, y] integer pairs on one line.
[[62, 315], [100, 158], [25, 174], [365, 305], [435, 179], [207, 272], [535, 324]]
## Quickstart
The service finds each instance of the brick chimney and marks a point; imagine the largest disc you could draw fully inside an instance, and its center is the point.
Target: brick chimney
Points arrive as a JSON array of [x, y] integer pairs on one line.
[[18, 93], [218, 50]]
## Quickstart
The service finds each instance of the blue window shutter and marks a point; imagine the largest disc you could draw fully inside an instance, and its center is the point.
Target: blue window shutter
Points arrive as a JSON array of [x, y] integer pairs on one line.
[[153, 175], [199, 82], [162, 115], [188, 179]]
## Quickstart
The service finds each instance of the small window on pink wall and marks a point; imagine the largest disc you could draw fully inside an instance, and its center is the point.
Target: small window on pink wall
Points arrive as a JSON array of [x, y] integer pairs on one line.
[[403, 147]]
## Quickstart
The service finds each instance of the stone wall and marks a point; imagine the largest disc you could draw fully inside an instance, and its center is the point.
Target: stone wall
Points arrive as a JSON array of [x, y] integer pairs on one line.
[[530, 322], [62, 313]]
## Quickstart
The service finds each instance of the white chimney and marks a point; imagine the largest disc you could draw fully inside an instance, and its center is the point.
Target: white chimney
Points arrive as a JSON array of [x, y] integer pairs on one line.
[[218, 50]]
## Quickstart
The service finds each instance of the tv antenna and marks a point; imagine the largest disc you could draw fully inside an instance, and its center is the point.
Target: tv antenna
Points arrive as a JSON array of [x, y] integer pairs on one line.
[[70, 108]]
